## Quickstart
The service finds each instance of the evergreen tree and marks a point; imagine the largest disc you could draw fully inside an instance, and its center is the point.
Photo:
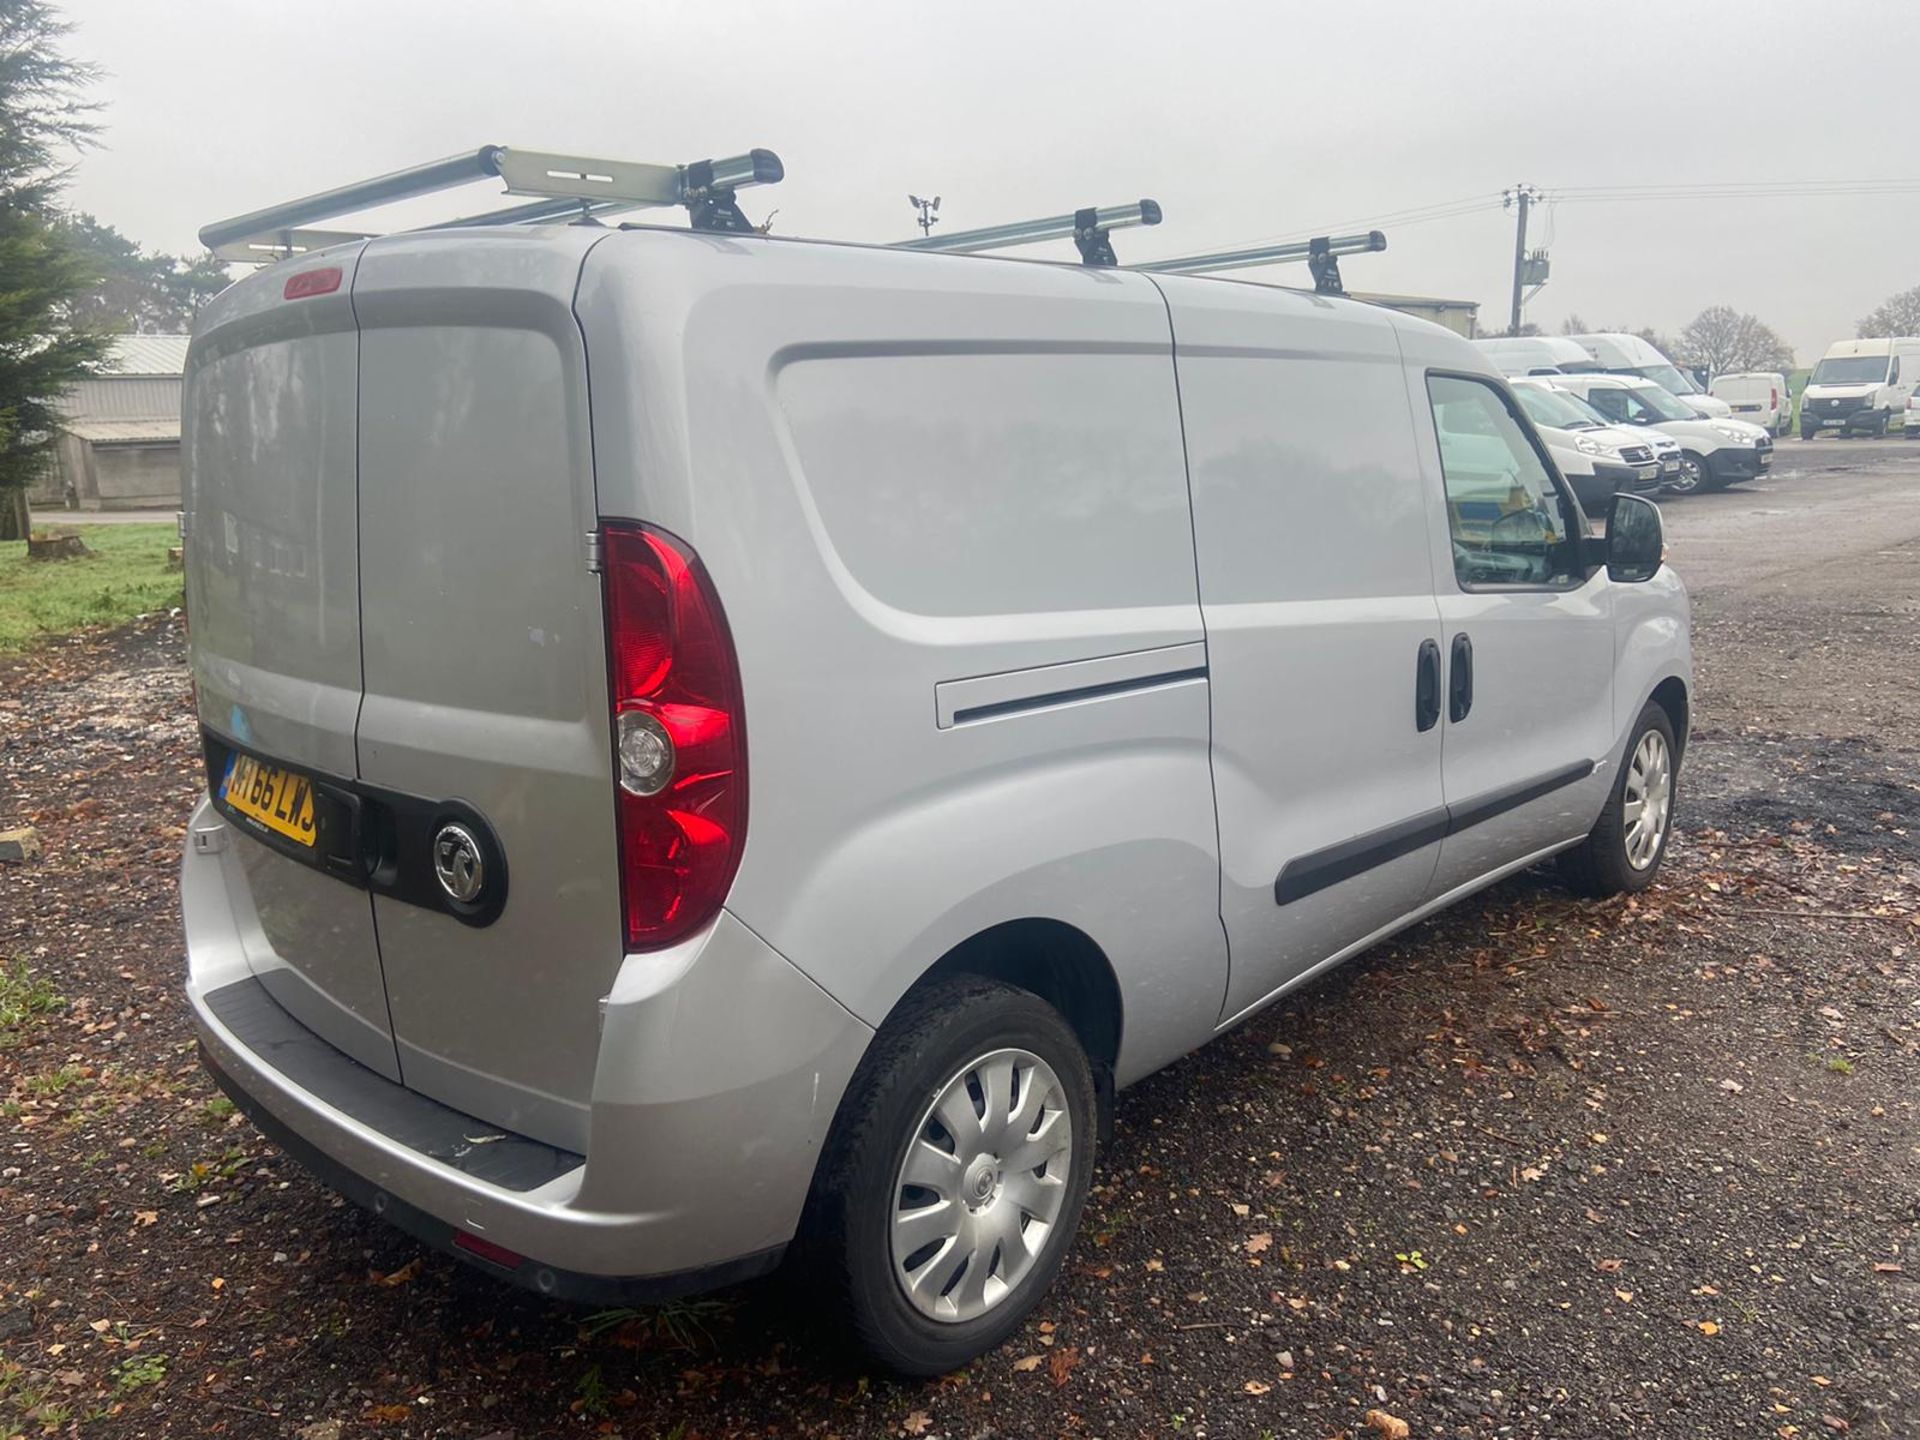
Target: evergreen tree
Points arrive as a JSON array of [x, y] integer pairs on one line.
[[44, 348]]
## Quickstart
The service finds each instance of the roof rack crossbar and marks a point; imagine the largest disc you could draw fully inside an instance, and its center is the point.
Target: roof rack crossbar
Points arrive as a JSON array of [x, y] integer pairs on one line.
[[1088, 229], [566, 186], [1322, 255]]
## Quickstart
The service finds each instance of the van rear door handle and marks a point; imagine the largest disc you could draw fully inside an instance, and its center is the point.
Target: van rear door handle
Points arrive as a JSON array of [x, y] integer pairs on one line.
[[1460, 679], [1426, 686]]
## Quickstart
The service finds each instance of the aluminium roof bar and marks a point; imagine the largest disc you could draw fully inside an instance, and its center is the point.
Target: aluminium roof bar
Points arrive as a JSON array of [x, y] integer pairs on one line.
[[568, 184], [1322, 254], [1088, 229]]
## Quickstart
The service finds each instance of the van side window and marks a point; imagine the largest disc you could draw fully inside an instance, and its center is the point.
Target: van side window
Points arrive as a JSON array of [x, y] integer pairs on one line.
[[1510, 523]]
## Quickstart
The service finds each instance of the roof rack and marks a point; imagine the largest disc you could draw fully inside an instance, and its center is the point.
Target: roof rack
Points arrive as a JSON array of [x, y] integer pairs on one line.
[[1322, 255], [1089, 228], [570, 187]]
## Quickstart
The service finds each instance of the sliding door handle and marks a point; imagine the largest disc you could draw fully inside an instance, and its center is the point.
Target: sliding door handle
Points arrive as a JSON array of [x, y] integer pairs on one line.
[[1426, 686], [1460, 679]]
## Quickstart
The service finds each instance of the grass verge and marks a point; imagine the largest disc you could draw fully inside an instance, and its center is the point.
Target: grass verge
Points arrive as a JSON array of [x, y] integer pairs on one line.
[[127, 575]]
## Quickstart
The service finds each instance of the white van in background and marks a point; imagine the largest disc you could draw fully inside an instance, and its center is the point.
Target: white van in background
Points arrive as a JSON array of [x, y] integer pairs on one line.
[[1620, 354], [1713, 453], [1758, 396], [1536, 355], [1860, 385], [1597, 458]]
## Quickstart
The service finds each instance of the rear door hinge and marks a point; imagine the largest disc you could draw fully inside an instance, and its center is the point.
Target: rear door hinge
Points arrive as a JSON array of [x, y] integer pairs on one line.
[[596, 551]]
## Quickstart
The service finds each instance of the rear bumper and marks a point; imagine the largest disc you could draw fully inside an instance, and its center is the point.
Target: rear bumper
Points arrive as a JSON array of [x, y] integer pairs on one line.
[[719, 1071]]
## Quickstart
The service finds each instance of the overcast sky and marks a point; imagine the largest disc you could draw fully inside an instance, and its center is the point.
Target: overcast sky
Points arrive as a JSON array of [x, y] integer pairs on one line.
[[1245, 121]]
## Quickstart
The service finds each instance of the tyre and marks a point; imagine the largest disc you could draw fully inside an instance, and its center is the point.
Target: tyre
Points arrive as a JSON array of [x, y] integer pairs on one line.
[[1807, 432], [1622, 852], [1692, 478], [953, 1179]]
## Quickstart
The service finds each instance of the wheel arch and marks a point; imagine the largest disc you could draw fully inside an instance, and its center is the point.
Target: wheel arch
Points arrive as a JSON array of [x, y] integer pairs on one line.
[[1061, 964], [1671, 696]]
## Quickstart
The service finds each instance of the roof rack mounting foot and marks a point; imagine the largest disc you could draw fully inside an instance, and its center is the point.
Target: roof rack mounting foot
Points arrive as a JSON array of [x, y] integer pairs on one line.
[[709, 190], [1325, 266], [1093, 240]]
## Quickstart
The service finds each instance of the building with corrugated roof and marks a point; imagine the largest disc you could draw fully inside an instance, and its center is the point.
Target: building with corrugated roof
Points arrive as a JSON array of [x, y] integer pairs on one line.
[[119, 443]]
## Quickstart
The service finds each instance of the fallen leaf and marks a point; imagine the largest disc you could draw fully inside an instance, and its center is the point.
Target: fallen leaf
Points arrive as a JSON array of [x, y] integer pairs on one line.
[[1732, 1087], [405, 1275], [1607, 1267], [1155, 1266], [916, 1423], [1391, 1426], [1062, 1364], [1242, 1210], [1822, 1381], [390, 1414], [1834, 1422], [1026, 1364], [1886, 1267], [1625, 1297], [219, 1282], [1257, 1387], [145, 1217], [1708, 1327], [1296, 1302], [1259, 1244]]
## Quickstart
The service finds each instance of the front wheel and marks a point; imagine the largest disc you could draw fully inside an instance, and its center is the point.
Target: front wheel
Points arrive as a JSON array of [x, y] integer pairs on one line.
[[954, 1178], [1622, 852], [1692, 477]]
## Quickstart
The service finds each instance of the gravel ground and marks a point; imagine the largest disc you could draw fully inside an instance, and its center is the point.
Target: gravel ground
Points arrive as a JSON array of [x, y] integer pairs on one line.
[[1540, 1167]]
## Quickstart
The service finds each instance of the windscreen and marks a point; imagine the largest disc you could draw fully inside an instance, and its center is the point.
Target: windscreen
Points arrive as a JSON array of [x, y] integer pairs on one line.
[[1552, 408], [1668, 377], [1662, 404], [1850, 370]]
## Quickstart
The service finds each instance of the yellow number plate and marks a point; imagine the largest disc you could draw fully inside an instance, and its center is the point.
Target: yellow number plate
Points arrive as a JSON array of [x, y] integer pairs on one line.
[[279, 799]]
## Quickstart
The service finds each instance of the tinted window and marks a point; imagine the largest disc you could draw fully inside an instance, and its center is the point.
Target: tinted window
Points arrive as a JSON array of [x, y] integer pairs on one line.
[[1510, 523]]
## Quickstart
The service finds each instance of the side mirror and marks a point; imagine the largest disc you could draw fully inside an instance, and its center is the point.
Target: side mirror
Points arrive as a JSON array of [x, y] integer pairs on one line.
[[1636, 540]]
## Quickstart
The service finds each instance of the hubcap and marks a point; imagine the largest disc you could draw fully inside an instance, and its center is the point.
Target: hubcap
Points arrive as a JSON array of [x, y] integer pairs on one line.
[[1648, 800], [982, 1184], [1689, 477]]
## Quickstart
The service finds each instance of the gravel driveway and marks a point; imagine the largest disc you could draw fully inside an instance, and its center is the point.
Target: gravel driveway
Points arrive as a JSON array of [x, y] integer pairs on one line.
[[1540, 1167]]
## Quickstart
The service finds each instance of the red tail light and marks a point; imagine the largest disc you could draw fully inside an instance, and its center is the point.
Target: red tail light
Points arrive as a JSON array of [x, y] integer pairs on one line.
[[680, 761]]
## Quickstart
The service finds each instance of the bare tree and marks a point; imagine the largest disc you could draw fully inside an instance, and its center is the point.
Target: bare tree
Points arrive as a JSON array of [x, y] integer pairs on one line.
[[1897, 315], [1721, 340]]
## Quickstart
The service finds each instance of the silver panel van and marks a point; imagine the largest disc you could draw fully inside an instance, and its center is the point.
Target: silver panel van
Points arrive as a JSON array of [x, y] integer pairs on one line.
[[719, 745]]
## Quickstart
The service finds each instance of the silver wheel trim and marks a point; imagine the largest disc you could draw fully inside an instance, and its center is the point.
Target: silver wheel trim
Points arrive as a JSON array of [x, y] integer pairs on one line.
[[1647, 802], [1692, 472], [981, 1186]]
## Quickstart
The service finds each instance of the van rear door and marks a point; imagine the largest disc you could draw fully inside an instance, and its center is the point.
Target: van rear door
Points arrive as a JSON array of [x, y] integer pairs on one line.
[[271, 515], [485, 670]]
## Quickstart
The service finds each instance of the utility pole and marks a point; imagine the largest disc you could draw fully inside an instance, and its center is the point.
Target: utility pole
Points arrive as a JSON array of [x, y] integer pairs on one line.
[[1520, 197]]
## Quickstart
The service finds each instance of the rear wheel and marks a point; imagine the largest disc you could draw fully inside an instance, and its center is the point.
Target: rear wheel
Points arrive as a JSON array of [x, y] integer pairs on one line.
[[1807, 432], [1622, 852], [955, 1175]]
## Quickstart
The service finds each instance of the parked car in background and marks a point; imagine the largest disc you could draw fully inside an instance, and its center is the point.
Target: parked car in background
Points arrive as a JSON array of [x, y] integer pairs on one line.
[[1758, 396], [1621, 354], [1536, 355], [1713, 453], [1218, 632], [1860, 386], [1598, 459]]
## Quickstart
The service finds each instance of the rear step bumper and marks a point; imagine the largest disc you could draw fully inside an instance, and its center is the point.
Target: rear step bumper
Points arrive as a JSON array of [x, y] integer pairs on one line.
[[432, 1230], [720, 1068]]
